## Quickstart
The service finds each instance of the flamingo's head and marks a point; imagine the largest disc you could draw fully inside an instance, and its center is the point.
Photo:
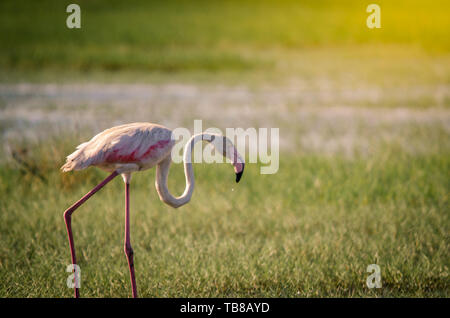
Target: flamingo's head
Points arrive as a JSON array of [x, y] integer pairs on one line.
[[228, 150]]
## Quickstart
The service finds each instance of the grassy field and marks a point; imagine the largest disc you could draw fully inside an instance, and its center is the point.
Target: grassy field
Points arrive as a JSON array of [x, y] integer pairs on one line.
[[204, 36], [364, 147], [308, 233]]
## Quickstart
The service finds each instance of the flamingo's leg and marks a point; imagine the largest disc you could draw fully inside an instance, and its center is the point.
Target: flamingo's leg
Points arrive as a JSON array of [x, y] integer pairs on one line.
[[68, 220], [127, 244]]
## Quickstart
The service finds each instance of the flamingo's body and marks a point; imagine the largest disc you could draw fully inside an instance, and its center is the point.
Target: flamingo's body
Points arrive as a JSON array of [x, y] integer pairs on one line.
[[135, 147]]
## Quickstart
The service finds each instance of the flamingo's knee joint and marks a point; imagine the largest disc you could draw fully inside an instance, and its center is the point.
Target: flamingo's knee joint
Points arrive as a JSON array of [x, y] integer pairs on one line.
[[67, 216], [128, 250]]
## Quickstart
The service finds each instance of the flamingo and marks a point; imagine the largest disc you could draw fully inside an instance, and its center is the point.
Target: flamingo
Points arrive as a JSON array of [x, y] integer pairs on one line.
[[137, 147]]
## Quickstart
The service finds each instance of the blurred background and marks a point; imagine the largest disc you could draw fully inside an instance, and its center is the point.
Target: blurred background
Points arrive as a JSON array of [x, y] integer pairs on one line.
[[364, 138]]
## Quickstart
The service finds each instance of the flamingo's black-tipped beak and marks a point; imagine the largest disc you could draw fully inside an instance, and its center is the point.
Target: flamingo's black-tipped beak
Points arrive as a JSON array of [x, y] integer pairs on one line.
[[239, 174]]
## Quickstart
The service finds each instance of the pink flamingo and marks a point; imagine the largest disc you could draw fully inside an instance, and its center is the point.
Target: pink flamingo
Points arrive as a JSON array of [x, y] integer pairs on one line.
[[136, 147]]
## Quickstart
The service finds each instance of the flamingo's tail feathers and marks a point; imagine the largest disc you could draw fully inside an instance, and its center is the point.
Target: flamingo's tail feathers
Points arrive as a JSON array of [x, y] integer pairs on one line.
[[76, 160], [69, 166]]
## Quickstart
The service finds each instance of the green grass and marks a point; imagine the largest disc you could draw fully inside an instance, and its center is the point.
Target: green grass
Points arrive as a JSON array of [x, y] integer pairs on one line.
[[309, 230], [174, 36]]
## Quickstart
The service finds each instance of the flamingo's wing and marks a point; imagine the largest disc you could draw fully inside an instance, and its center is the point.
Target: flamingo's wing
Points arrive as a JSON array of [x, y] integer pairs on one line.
[[132, 143]]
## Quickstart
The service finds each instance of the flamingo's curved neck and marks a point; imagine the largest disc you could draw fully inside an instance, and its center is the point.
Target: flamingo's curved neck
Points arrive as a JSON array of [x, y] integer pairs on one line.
[[162, 173]]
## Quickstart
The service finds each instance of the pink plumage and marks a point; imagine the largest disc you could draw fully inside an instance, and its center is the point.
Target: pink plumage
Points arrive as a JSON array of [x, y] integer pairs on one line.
[[143, 144]]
